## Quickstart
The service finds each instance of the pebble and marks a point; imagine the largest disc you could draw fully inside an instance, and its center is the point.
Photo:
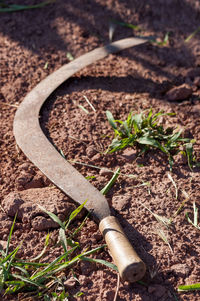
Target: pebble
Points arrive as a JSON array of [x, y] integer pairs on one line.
[[179, 93], [91, 151], [70, 283]]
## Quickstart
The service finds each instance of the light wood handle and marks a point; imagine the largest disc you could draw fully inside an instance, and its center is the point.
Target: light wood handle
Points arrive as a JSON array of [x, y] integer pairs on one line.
[[131, 268]]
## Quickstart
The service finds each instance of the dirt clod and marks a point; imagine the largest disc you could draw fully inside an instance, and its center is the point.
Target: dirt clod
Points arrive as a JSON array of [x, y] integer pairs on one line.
[[179, 93], [26, 202]]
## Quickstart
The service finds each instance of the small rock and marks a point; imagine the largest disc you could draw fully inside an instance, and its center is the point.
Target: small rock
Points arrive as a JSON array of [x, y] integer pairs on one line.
[[26, 202], [180, 269], [70, 283], [91, 151], [41, 223], [106, 172], [179, 93]]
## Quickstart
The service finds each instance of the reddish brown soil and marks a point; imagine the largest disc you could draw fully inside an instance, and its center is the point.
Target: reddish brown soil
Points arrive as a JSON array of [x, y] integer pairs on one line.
[[134, 80]]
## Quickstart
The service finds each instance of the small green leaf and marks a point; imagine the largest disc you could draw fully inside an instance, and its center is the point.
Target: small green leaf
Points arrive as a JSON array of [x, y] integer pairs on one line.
[[74, 214], [111, 182], [111, 120], [10, 234], [190, 287], [189, 152], [101, 261]]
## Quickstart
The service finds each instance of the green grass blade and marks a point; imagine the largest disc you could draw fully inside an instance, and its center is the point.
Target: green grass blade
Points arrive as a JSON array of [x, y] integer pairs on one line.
[[111, 120], [13, 253], [15, 7], [53, 217], [10, 234], [190, 287], [192, 35], [44, 249], [124, 24], [24, 271], [175, 136], [189, 152], [74, 214], [81, 226], [111, 182], [74, 260], [53, 265], [63, 239], [151, 142], [28, 280], [101, 261]]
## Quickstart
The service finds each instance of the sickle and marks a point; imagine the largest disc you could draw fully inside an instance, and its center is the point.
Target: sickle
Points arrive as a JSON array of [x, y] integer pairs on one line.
[[42, 153]]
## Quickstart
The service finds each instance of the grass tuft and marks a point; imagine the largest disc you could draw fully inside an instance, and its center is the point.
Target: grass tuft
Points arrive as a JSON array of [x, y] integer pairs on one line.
[[46, 280], [143, 132]]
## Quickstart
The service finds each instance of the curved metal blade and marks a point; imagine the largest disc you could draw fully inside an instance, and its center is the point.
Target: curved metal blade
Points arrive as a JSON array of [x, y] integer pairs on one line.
[[41, 152]]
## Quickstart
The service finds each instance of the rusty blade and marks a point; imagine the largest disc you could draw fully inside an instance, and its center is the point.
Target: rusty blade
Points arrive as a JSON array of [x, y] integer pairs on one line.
[[41, 152]]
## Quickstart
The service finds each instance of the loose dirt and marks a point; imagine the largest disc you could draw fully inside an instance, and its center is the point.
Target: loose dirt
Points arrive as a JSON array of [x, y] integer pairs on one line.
[[165, 77]]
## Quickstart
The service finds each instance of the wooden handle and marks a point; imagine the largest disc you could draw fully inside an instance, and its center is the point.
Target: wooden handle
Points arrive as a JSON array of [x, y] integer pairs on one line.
[[131, 268]]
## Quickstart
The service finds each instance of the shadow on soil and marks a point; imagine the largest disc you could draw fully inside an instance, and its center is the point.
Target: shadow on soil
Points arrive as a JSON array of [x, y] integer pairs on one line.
[[38, 27], [153, 275]]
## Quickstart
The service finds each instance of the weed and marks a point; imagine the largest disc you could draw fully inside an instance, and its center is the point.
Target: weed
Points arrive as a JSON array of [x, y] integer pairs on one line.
[[46, 280], [111, 182], [143, 132]]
